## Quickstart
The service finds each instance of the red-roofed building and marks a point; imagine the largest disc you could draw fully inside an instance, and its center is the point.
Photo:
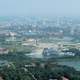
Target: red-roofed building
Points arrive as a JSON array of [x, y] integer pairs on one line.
[[4, 51]]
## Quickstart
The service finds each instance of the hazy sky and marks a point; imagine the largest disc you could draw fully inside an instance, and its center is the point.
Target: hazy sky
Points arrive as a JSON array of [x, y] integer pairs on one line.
[[39, 7]]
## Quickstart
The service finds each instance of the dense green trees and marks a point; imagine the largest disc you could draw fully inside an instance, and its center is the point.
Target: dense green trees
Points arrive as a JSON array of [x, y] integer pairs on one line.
[[39, 73], [43, 69]]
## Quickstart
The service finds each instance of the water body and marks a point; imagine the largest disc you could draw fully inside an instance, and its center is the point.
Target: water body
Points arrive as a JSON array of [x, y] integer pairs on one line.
[[71, 63], [74, 64]]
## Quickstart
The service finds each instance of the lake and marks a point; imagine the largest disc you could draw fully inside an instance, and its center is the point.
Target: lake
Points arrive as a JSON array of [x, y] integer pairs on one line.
[[74, 64]]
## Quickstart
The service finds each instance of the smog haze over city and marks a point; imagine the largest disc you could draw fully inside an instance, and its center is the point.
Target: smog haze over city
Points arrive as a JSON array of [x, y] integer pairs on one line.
[[40, 7], [39, 39]]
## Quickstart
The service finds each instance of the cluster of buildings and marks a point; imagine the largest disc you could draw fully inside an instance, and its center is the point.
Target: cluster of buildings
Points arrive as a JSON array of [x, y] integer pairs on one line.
[[52, 53]]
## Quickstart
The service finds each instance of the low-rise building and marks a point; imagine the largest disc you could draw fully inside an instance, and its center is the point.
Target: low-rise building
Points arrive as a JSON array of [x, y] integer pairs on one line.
[[4, 51], [50, 52]]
